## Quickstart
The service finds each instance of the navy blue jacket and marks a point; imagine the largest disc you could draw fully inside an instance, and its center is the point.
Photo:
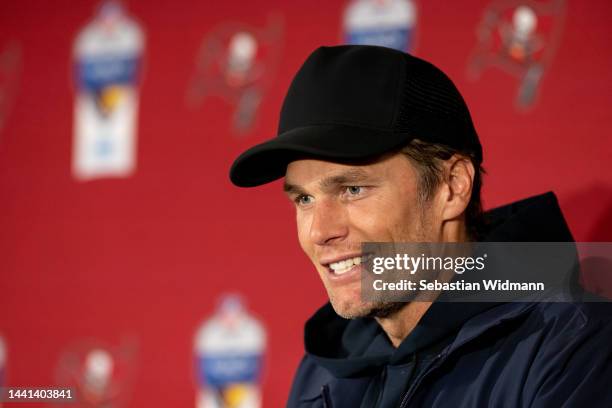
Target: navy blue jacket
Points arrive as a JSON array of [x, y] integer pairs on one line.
[[468, 355]]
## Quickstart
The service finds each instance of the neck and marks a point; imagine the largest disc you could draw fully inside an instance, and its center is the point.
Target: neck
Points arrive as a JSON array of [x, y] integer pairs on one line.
[[400, 324]]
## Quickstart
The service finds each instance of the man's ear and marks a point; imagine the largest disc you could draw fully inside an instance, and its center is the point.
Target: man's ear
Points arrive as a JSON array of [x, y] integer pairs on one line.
[[458, 183]]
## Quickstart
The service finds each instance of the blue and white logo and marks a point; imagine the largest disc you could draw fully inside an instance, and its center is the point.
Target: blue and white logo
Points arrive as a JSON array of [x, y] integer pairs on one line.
[[388, 23], [107, 59], [229, 352]]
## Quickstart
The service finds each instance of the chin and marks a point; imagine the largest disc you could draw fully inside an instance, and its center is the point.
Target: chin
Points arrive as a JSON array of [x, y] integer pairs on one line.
[[355, 309], [347, 302], [350, 309]]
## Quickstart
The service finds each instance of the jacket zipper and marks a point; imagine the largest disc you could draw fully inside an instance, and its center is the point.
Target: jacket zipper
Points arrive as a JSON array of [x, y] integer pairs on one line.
[[326, 398], [434, 364]]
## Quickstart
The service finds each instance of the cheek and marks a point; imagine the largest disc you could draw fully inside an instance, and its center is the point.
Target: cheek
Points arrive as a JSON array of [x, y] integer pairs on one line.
[[368, 225], [303, 222], [378, 215], [386, 218]]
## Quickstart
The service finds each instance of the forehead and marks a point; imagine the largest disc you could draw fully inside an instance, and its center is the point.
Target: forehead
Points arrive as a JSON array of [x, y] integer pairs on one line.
[[309, 171]]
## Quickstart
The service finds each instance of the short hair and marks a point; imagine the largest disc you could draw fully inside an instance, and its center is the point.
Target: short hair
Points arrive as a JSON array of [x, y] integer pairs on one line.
[[427, 158]]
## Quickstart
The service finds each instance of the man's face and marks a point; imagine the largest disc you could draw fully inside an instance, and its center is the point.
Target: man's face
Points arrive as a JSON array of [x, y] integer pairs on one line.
[[340, 206]]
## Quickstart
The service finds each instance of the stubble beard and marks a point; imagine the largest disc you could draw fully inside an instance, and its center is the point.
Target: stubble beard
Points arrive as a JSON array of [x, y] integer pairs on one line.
[[367, 309]]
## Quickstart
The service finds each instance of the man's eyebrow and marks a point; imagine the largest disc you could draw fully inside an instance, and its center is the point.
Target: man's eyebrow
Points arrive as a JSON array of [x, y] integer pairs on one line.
[[350, 176], [292, 189]]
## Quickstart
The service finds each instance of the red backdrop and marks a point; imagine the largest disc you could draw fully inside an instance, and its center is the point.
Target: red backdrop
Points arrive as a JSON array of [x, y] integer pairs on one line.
[[143, 259]]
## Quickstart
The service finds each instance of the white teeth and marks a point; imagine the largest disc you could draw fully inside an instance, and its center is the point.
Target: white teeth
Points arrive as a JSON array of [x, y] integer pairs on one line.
[[344, 266]]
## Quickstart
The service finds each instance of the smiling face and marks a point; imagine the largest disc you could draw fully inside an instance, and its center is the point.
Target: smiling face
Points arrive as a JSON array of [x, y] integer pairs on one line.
[[339, 206]]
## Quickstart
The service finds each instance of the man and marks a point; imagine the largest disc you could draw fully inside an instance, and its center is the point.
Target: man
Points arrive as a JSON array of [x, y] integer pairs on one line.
[[378, 146]]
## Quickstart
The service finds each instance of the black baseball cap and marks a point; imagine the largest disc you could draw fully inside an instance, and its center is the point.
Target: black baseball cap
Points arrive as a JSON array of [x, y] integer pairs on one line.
[[353, 103]]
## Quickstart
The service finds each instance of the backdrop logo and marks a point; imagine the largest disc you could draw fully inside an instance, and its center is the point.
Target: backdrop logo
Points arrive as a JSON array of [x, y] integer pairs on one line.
[[388, 23], [521, 39], [229, 353], [101, 375], [237, 63], [108, 54], [10, 64]]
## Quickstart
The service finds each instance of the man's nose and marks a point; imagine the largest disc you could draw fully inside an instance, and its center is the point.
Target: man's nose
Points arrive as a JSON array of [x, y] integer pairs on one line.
[[328, 223]]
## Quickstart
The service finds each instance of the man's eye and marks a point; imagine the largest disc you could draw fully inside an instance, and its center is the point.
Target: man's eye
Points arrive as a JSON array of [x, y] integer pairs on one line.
[[303, 199], [354, 190]]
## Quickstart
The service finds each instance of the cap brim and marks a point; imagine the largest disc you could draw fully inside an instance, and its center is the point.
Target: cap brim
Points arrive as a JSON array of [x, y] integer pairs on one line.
[[268, 161]]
